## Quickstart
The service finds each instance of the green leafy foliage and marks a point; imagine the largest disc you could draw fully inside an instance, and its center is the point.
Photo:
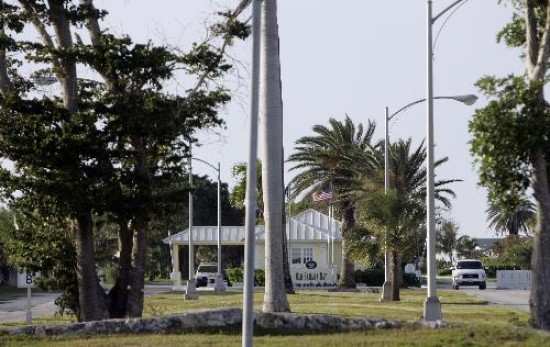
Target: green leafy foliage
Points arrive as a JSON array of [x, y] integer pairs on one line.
[[505, 133]]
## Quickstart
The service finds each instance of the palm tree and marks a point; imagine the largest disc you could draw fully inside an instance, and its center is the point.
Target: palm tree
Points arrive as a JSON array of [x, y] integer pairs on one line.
[[446, 238], [238, 193], [271, 114], [511, 218], [408, 171], [397, 215], [333, 158], [465, 247]]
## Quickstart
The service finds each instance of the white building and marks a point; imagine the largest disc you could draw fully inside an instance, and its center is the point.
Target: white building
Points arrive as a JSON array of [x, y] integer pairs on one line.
[[311, 235]]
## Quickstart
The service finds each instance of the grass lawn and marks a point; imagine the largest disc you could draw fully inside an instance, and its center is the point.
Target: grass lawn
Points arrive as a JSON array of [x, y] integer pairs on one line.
[[475, 323]]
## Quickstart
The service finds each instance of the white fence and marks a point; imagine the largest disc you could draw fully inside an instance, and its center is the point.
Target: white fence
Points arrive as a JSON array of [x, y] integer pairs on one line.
[[513, 279]]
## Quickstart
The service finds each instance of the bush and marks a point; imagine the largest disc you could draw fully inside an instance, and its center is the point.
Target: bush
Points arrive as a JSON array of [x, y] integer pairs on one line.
[[445, 272], [259, 277], [410, 280], [371, 277], [236, 274]]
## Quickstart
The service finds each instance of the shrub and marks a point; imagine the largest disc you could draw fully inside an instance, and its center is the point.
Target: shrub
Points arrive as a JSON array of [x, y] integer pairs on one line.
[[371, 277], [444, 272], [236, 274], [410, 280], [259, 277]]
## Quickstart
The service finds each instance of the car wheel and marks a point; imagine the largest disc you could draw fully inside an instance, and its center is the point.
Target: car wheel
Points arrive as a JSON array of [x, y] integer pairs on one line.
[[455, 286], [483, 286]]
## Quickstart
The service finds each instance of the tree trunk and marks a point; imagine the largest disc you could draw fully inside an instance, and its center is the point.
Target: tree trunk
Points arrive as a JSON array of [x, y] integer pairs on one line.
[[346, 272], [66, 72], [540, 288], [91, 296], [118, 295], [137, 281], [271, 114], [396, 281], [140, 225], [289, 286]]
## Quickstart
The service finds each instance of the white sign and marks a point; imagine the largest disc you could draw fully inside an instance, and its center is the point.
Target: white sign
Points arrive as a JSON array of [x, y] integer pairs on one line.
[[26, 279]]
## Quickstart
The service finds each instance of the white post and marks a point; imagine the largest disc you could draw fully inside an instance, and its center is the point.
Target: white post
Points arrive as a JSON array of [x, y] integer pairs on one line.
[[191, 291], [251, 178], [387, 287], [175, 276], [432, 306], [29, 304], [220, 285]]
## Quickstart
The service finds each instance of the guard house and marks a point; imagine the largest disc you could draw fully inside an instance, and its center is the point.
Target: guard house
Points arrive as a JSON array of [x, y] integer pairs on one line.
[[314, 247]]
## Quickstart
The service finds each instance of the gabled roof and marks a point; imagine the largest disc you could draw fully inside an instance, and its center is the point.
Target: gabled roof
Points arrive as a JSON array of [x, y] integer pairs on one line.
[[309, 225]]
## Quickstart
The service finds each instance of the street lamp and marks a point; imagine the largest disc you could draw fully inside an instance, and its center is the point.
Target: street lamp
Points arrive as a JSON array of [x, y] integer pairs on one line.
[[467, 99], [191, 290], [432, 306], [220, 285]]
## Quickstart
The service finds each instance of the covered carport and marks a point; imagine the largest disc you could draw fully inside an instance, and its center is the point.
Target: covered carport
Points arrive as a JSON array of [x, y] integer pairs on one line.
[[312, 238]]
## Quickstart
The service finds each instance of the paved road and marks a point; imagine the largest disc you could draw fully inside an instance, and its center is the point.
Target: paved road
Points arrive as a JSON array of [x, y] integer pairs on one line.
[[510, 297], [42, 303], [16, 310], [515, 298]]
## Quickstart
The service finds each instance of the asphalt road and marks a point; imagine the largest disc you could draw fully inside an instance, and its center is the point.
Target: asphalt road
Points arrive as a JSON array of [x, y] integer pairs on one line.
[[42, 303], [510, 297]]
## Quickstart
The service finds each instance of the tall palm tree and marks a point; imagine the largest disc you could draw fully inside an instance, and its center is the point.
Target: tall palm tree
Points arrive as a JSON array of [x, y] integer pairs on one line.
[[238, 193], [446, 238], [465, 246], [512, 218], [271, 115], [333, 158], [408, 171], [397, 215]]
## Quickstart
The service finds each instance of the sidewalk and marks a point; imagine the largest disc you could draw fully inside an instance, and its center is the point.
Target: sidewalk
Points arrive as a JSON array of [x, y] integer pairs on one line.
[[43, 303], [16, 310]]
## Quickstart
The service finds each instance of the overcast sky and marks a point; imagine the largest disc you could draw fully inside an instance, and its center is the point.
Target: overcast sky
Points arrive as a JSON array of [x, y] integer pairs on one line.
[[352, 57]]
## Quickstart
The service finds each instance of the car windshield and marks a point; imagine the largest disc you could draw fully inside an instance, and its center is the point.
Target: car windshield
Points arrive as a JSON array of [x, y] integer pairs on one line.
[[208, 268], [469, 265]]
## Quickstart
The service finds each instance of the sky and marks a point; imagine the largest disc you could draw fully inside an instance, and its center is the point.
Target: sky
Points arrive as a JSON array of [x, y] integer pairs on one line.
[[351, 57]]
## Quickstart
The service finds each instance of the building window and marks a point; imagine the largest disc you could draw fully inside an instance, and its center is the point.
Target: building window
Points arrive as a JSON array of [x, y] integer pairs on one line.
[[296, 255], [307, 254], [301, 255]]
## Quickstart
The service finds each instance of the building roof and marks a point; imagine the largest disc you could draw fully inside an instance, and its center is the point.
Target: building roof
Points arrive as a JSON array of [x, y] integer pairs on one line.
[[309, 225]]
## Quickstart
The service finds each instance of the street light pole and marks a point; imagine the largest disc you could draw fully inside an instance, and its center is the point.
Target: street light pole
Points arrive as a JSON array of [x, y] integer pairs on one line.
[[432, 306], [467, 99], [220, 284], [191, 290], [386, 288]]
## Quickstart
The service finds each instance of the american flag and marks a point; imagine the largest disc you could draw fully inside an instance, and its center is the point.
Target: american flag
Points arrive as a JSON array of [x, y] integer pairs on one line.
[[324, 195]]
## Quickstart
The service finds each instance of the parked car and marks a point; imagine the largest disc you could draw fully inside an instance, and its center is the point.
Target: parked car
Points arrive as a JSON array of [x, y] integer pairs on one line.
[[207, 273], [469, 272]]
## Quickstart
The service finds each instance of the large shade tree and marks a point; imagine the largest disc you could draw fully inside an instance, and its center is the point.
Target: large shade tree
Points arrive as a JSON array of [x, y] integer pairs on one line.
[[511, 138], [99, 148], [334, 158]]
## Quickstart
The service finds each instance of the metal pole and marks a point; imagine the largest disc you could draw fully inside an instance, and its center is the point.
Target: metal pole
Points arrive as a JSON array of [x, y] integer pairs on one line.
[[251, 178], [220, 285], [191, 290], [29, 304], [432, 306], [387, 287]]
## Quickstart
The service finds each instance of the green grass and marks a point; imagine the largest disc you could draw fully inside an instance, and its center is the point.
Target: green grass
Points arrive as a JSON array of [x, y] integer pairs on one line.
[[474, 323]]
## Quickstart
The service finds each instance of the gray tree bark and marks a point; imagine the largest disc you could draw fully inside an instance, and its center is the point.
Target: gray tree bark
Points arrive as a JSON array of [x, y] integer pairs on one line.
[[537, 60], [271, 119]]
